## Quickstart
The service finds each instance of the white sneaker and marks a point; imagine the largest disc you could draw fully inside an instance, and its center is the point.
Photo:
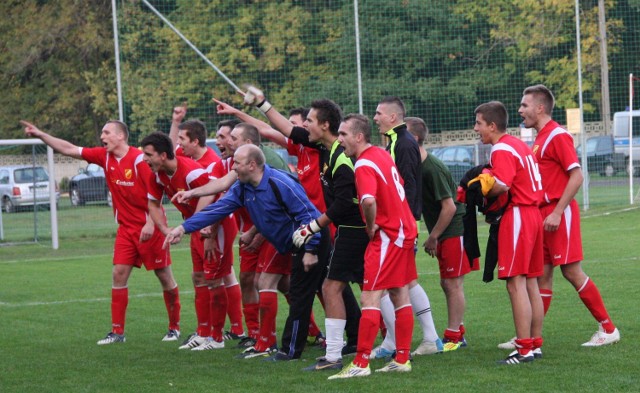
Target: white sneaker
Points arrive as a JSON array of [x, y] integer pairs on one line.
[[208, 345], [112, 338], [601, 338], [193, 342], [510, 345], [429, 348], [394, 366], [172, 335], [352, 371]]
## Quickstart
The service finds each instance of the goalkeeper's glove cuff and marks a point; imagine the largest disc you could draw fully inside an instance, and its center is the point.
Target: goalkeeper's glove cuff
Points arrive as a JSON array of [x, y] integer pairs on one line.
[[314, 227], [264, 106]]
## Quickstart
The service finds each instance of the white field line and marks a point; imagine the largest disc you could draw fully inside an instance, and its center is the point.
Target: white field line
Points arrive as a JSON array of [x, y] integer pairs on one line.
[[96, 300]]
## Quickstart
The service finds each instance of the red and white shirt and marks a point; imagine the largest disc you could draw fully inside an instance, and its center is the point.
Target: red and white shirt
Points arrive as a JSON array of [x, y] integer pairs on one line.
[[377, 177], [126, 178], [513, 165], [207, 161], [188, 175], [556, 156]]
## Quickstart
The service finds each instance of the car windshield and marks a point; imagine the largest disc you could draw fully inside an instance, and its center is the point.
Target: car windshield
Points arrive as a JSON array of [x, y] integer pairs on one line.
[[30, 175]]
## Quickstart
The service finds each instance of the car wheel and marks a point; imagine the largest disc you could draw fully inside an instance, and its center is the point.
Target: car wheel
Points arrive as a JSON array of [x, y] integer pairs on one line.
[[76, 198], [7, 205], [608, 170], [109, 199]]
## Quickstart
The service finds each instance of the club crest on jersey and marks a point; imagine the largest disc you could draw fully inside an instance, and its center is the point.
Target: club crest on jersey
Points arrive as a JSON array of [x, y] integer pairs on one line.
[[128, 173], [535, 149]]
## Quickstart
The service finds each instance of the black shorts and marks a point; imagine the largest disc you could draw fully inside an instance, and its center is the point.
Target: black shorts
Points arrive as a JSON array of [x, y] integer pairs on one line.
[[347, 258]]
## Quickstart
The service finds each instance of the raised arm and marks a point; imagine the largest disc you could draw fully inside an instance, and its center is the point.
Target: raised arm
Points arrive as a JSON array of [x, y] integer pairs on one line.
[[57, 144], [255, 96], [179, 112], [265, 130]]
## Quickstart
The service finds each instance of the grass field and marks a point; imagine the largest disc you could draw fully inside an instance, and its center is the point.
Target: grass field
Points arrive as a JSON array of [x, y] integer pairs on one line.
[[54, 306]]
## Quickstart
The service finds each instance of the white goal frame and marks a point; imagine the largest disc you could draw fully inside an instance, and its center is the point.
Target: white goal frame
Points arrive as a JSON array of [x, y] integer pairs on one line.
[[53, 211]]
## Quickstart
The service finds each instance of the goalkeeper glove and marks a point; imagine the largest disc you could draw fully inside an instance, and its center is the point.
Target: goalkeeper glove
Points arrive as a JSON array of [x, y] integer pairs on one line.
[[255, 96], [303, 234]]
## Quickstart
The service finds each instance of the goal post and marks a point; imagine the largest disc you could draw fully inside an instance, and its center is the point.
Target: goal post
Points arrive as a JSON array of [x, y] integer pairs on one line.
[[53, 208]]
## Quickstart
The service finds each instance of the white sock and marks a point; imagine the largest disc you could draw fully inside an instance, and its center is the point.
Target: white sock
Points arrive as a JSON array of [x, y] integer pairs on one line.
[[389, 317], [335, 338], [422, 310]]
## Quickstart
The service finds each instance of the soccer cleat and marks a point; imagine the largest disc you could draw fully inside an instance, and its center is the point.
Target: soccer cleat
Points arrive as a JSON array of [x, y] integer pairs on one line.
[[251, 353], [537, 353], [451, 346], [112, 338], [381, 353], [395, 367], [463, 342], [323, 364], [172, 335], [515, 358], [278, 356], [511, 344], [319, 341], [247, 342], [601, 338], [352, 371], [193, 341], [232, 336], [429, 348], [348, 350], [209, 344]]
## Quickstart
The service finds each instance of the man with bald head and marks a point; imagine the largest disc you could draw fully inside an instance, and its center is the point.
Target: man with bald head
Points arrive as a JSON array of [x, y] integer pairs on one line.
[[277, 205]]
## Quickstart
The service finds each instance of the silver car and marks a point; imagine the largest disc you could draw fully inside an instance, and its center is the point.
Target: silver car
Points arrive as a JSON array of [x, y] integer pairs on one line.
[[24, 185]]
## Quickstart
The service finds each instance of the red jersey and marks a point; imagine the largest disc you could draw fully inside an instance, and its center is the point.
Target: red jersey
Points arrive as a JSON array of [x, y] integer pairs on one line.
[[308, 172], [221, 168], [189, 175], [208, 159], [513, 165], [556, 157], [126, 179], [377, 177]]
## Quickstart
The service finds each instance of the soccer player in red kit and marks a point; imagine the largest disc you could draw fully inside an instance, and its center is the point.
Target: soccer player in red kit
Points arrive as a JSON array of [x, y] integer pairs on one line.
[[515, 171], [561, 179], [172, 174], [389, 258], [137, 240], [189, 139]]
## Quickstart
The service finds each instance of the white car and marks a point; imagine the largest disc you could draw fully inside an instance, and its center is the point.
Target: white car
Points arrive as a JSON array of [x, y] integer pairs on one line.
[[24, 185]]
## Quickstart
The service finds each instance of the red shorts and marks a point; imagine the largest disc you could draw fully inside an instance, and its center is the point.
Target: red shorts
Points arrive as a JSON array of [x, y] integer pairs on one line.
[[387, 265], [266, 260], [564, 245], [520, 242], [128, 250], [452, 259], [222, 261]]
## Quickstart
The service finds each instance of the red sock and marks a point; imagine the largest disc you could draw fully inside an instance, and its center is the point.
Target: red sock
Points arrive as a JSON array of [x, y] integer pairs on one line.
[[383, 328], [367, 331], [172, 301], [119, 302], [203, 307], [537, 342], [547, 295], [268, 313], [404, 331], [453, 336], [591, 298], [218, 311], [234, 308], [524, 345], [314, 330], [251, 319], [462, 331]]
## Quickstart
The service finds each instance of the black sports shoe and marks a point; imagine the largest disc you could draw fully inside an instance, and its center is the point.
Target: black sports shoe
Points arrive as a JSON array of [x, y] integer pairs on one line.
[[232, 336], [349, 350], [323, 364], [515, 358], [247, 342], [278, 357]]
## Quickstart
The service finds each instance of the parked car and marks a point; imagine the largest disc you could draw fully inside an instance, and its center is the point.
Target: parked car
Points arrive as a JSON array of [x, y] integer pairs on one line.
[[24, 185], [601, 156], [89, 185], [459, 159], [292, 161]]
